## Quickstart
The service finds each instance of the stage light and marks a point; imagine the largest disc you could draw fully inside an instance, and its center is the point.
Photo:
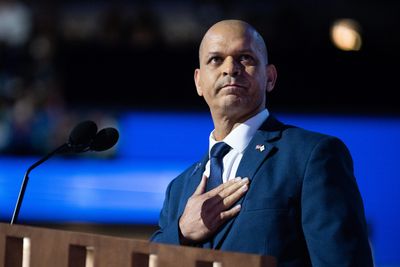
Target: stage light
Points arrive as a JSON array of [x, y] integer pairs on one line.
[[345, 35]]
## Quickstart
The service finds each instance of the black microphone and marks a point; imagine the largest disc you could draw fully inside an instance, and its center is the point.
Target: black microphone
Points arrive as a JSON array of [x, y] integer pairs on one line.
[[79, 139], [83, 137], [105, 139]]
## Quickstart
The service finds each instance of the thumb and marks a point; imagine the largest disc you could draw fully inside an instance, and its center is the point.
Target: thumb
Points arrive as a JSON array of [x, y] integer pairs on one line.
[[201, 188]]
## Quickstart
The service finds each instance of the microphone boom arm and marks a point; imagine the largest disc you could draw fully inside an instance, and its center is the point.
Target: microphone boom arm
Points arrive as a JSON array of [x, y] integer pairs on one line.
[[26, 178], [83, 138]]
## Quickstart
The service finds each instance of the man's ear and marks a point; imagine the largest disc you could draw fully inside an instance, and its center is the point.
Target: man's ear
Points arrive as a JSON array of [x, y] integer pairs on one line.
[[271, 77], [197, 82]]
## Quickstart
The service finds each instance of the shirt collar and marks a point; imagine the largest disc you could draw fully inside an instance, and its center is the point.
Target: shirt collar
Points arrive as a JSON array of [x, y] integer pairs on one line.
[[240, 137]]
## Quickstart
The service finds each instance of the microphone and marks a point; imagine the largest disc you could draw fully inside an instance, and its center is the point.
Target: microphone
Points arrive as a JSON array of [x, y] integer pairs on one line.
[[105, 139], [83, 137]]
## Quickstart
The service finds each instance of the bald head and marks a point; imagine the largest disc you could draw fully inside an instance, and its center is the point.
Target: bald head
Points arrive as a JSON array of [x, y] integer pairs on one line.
[[225, 28], [234, 74]]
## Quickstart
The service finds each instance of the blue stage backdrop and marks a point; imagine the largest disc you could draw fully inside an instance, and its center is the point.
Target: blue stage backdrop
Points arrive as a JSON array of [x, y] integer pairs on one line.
[[156, 147]]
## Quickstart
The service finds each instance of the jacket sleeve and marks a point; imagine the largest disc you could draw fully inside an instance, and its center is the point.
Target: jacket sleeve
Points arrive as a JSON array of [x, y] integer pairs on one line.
[[333, 219], [168, 223]]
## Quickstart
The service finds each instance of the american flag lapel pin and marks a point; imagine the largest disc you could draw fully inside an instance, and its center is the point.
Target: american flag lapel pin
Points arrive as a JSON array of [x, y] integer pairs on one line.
[[260, 148]]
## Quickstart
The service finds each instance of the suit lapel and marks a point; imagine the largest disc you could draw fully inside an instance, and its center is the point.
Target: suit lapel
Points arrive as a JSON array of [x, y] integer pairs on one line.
[[193, 181], [254, 155]]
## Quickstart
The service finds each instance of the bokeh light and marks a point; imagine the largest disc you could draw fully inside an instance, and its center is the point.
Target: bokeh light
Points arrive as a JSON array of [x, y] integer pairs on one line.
[[345, 34]]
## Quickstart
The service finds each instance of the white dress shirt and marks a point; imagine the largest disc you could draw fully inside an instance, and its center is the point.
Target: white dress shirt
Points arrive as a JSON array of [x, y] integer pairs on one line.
[[238, 139]]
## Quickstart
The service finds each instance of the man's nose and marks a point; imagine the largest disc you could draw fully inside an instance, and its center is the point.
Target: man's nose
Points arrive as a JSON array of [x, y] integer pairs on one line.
[[231, 67]]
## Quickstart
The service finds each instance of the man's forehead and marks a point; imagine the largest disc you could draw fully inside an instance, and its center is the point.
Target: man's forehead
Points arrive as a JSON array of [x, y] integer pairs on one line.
[[222, 41], [233, 46], [224, 34]]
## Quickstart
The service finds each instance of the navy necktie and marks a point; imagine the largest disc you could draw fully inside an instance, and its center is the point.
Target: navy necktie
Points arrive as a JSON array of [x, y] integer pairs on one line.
[[218, 151]]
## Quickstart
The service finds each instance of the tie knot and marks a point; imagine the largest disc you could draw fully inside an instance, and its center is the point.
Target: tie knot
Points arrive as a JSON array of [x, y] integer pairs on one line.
[[219, 150]]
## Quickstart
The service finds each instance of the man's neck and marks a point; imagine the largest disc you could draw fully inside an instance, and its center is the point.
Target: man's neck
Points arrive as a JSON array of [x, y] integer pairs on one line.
[[224, 124]]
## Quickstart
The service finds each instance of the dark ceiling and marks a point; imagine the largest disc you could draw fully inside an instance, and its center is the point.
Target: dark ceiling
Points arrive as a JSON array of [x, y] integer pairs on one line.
[[155, 70]]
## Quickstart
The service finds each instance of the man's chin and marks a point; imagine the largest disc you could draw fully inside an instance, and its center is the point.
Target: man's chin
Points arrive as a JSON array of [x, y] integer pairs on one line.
[[234, 99], [233, 102]]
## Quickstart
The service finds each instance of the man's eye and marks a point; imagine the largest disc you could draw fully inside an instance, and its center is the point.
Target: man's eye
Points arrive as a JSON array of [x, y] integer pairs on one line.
[[246, 58], [215, 60]]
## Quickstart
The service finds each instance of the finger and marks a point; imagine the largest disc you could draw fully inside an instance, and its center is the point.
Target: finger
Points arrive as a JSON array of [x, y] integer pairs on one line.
[[228, 201], [223, 186], [201, 188], [228, 196], [229, 190], [228, 214]]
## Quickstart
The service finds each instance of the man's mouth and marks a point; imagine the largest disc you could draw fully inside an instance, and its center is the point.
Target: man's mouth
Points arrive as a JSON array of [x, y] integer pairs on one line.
[[233, 85], [233, 89]]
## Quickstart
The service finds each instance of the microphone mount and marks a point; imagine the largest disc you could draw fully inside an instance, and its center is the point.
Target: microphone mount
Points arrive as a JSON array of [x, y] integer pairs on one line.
[[83, 138]]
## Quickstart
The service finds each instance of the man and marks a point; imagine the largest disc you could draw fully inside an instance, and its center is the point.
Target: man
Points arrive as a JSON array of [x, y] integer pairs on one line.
[[284, 191]]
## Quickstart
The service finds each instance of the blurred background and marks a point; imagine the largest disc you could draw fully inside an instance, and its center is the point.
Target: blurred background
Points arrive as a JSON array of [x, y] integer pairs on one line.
[[129, 65]]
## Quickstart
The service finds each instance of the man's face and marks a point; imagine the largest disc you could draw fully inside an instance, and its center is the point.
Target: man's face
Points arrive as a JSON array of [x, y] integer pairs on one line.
[[233, 72]]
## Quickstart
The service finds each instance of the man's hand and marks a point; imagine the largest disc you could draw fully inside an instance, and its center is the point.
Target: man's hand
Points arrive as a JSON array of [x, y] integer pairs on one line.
[[205, 212]]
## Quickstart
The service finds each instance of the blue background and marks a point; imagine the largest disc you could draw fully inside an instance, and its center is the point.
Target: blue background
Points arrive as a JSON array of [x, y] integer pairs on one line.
[[155, 147]]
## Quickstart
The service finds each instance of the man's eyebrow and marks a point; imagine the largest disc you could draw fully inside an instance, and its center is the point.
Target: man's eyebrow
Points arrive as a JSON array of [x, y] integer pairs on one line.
[[241, 51], [244, 51], [213, 53]]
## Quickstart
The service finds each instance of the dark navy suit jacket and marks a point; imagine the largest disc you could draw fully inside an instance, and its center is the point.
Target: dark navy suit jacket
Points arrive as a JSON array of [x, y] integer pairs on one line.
[[303, 205]]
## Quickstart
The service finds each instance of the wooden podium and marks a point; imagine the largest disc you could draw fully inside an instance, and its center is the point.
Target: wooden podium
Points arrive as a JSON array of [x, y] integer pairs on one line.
[[40, 247]]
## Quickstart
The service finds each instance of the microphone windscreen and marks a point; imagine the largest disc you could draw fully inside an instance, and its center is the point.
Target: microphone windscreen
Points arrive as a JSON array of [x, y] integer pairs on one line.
[[105, 139], [83, 134]]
